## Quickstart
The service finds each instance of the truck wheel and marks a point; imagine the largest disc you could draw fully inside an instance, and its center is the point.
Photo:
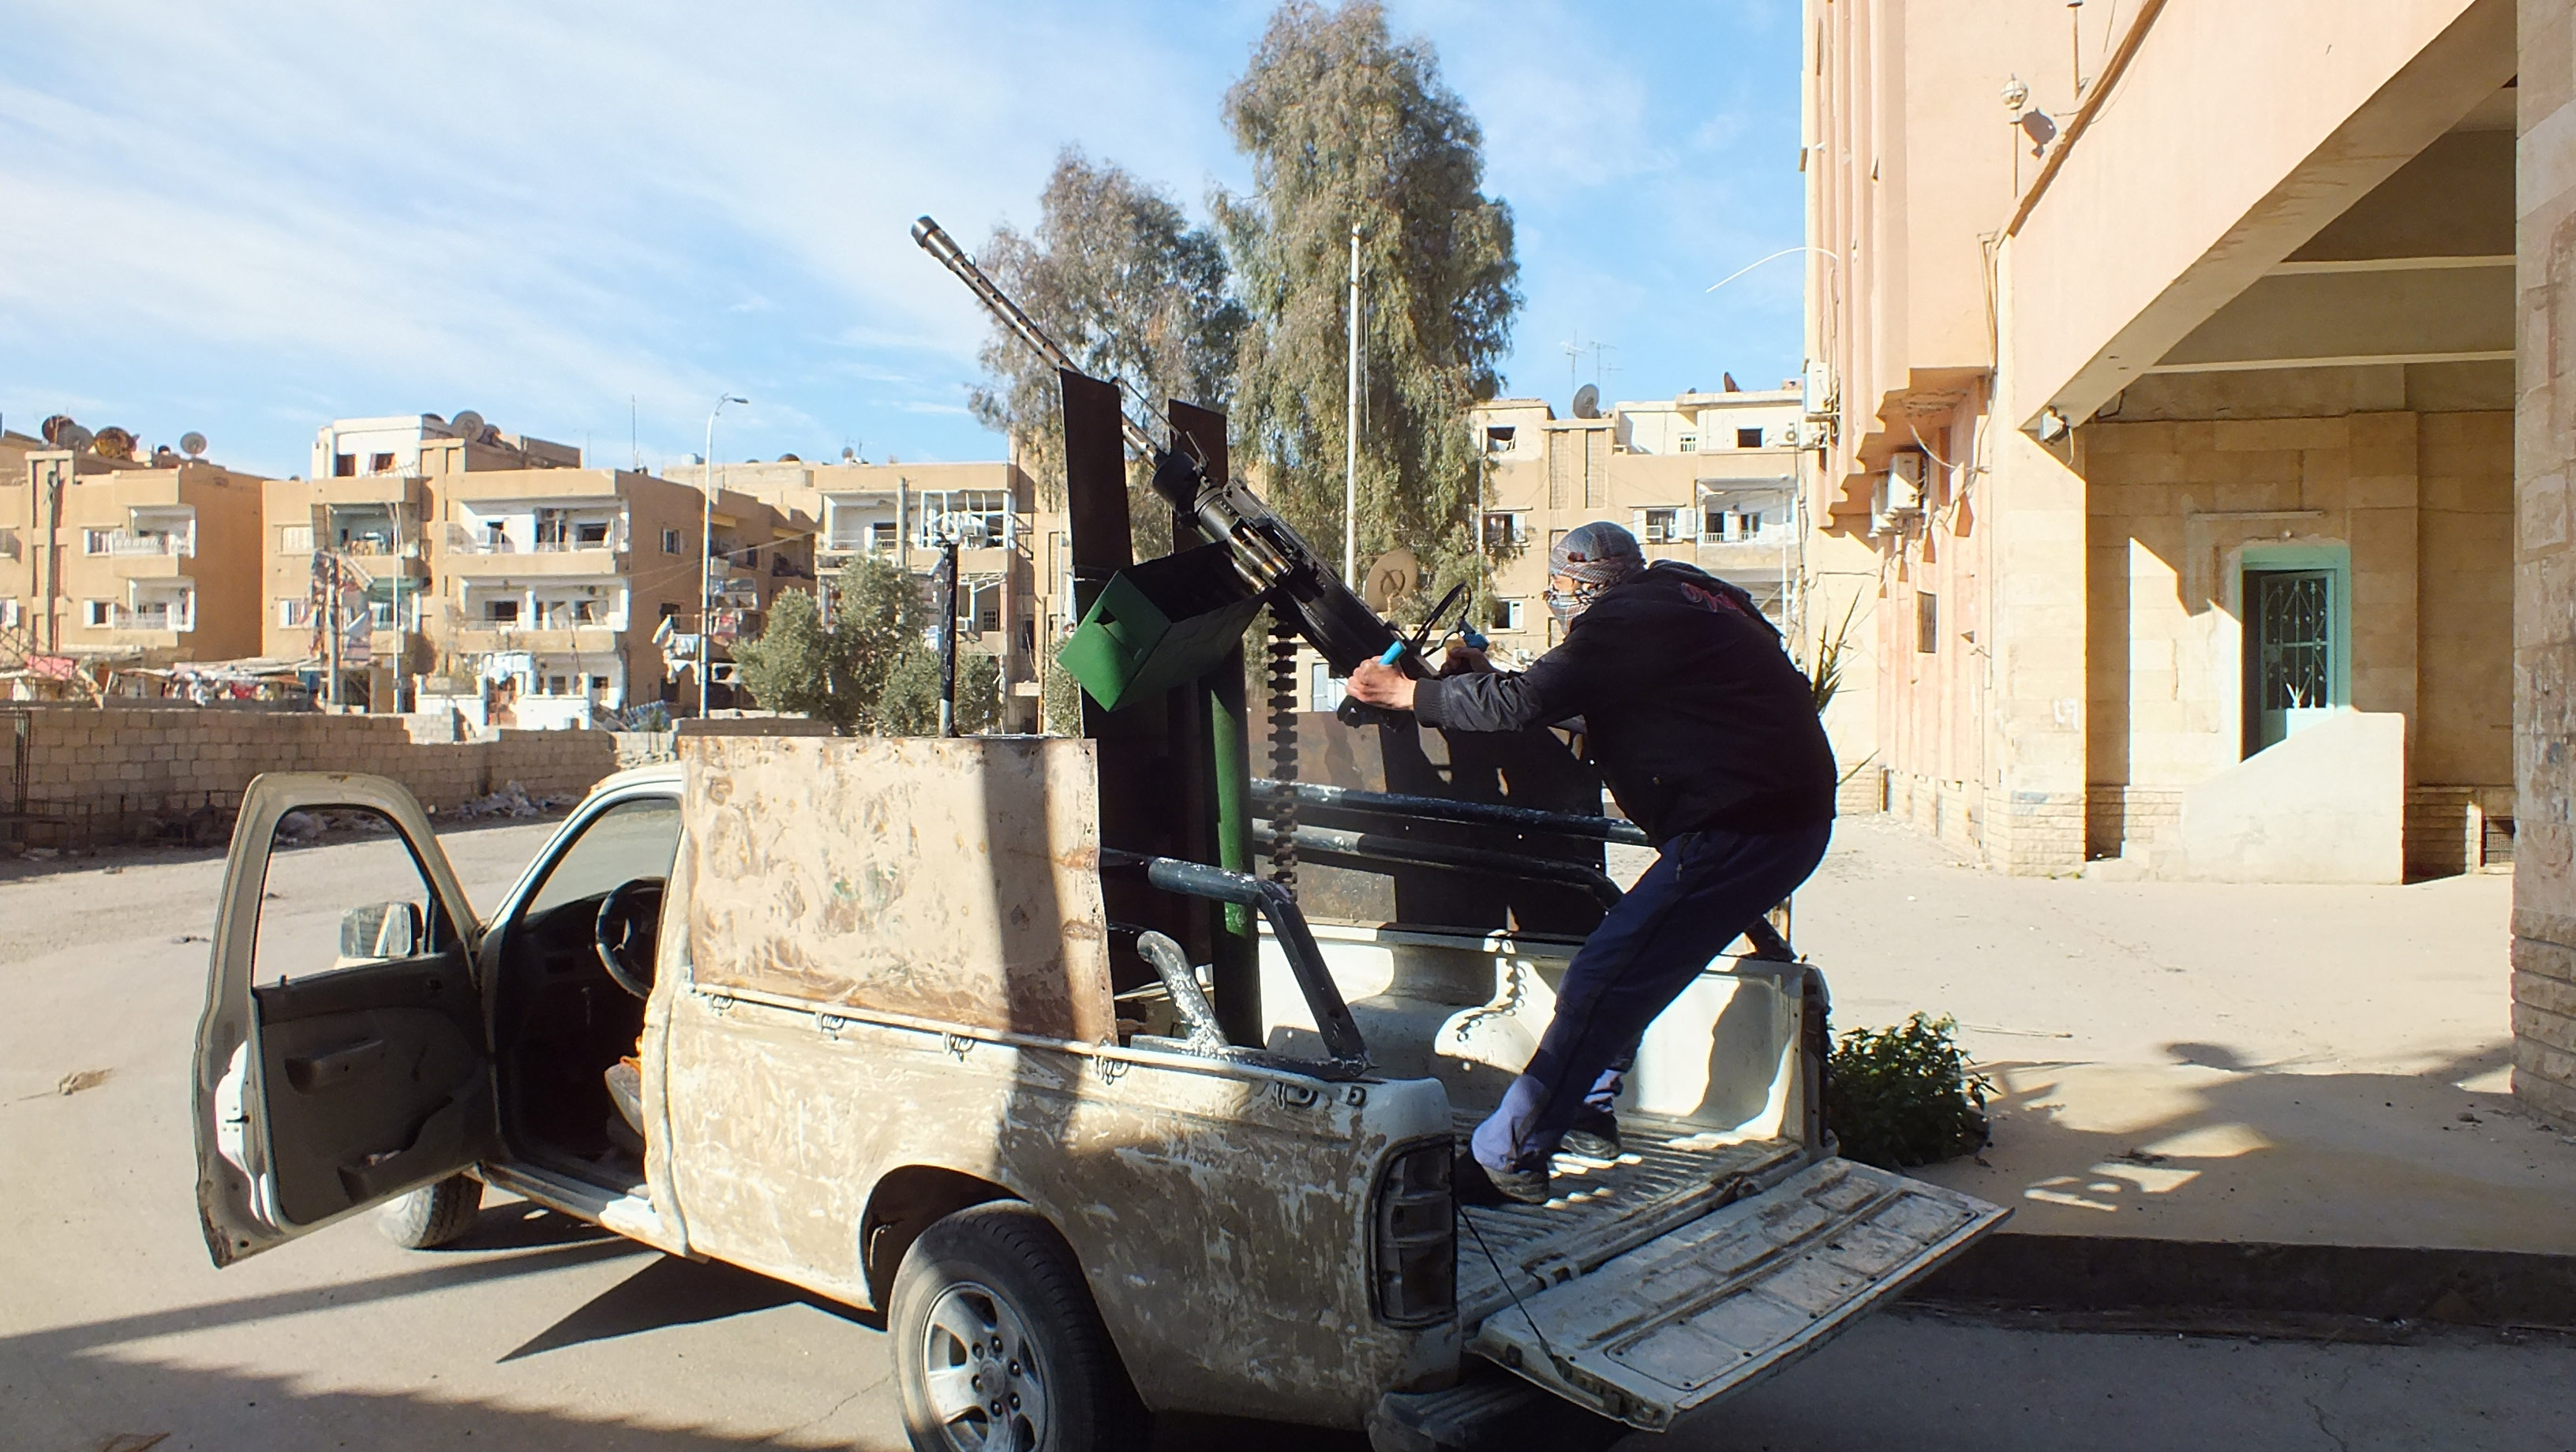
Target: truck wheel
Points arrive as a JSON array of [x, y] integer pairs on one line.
[[997, 1345], [432, 1215]]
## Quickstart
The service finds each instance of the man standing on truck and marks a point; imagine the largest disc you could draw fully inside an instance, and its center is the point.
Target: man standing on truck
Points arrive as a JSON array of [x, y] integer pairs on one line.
[[1707, 734]]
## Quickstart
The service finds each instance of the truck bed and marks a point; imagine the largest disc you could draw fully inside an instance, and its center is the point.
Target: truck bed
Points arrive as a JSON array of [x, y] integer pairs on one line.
[[1667, 1172]]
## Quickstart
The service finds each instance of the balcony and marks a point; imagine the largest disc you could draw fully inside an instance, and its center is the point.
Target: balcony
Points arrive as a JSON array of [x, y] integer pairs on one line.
[[483, 638], [466, 552]]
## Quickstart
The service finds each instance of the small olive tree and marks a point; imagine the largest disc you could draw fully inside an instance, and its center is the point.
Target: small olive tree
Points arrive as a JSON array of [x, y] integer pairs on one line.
[[872, 668]]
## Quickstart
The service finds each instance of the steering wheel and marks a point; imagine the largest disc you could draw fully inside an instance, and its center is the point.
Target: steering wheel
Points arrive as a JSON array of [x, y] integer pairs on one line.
[[623, 933]]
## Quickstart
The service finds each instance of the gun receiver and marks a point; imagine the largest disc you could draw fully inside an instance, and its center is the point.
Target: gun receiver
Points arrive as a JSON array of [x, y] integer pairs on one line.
[[1269, 555]]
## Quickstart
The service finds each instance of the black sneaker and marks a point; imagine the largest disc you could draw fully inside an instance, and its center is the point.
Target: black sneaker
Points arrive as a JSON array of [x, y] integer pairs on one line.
[[1473, 1184], [1595, 1135]]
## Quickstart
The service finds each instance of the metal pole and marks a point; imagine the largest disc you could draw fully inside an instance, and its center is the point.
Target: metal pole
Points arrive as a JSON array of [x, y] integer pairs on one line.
[[707, 547], [1351, 431], [948, 644]]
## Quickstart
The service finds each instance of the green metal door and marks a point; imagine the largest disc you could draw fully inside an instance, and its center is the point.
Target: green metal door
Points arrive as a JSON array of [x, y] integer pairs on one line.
[[2290, 649]]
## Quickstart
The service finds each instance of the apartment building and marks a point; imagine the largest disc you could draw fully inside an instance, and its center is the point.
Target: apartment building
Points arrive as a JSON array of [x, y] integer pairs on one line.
[[111, 558], [1710, 478], [2198, 396], [556, 591], [1012, 569], [425, 443]]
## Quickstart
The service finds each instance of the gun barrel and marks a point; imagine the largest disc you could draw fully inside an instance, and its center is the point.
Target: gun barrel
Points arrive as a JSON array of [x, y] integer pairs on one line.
[[934, 239]]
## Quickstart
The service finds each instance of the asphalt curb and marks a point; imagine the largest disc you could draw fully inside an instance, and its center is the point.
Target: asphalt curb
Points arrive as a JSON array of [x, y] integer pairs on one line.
[[2147, 1280]]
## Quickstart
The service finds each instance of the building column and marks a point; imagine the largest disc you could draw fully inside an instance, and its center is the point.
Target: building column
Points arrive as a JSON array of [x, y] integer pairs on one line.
[[2034, 760], [2544, 607]]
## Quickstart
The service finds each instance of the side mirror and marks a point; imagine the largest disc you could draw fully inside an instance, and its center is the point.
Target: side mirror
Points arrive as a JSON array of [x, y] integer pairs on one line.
[[380, 931]]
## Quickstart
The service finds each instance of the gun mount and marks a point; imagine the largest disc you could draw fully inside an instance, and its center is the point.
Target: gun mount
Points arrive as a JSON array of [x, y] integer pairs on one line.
[[1273, 561]]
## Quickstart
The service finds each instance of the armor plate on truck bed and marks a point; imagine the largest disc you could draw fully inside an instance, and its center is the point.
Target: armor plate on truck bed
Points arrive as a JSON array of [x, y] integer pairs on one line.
[[1724, 1297]]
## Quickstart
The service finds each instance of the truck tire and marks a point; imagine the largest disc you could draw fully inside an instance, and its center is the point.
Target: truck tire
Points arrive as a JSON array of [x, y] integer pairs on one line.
[[432, 1215], [997, 1344]]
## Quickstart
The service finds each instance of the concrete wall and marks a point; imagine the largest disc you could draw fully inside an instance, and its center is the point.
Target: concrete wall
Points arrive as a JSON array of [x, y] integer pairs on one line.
[[2328, 804], [2238, 132], [2544, 616], [117, 774]]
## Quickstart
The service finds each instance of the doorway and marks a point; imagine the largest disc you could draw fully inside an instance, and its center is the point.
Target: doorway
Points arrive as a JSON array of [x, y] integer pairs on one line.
[[2296, 648]]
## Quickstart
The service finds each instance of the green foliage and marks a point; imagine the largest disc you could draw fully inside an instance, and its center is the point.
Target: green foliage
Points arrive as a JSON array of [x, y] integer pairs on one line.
[[1904, 1096], [1062, 700], [1343, 124], [1115, 273], [871, 669]]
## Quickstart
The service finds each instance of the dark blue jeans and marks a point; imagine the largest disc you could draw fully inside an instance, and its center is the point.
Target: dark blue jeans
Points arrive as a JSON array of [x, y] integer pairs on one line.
[[1704, 889]]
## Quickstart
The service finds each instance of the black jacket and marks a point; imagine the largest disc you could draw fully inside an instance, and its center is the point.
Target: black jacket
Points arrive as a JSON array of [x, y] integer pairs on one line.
[[1697, 717]]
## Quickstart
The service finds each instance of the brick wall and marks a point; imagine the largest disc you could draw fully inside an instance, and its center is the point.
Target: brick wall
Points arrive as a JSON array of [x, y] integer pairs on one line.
[[97, 776], [2544, 615]]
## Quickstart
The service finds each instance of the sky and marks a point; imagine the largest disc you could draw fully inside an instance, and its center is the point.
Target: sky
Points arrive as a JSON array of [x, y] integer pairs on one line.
[[586, 221]]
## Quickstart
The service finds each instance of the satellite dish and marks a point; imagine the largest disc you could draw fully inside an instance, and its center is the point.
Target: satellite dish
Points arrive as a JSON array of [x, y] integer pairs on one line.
[[192, 444], [467, 425], [849, 455], [433, 420], [1389, 578], [113, 443], [74, 437], [789, 459], [55, 427], [1587, 401]]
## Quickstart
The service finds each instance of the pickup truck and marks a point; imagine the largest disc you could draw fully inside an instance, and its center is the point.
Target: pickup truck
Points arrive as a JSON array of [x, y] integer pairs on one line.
[[843, 1012]]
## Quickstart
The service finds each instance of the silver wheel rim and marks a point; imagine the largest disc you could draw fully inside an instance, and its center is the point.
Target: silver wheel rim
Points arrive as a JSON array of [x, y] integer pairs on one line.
[[982, 1372]]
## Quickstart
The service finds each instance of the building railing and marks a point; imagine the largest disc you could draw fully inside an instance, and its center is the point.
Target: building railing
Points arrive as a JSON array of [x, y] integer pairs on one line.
[[153, 542]]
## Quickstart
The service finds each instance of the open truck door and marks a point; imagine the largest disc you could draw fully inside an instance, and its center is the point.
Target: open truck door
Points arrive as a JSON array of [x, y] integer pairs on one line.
[[343, 1056]]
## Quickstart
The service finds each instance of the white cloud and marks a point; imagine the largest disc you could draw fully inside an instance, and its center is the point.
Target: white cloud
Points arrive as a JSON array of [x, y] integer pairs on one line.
[[246, 220]]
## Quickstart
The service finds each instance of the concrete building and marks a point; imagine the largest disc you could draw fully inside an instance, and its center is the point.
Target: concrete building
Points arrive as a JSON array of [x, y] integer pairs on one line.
[[358, 448], [1013, 569], [2242, 416], [550, 587], [2182, 447], [1705, 477], [114, 560]]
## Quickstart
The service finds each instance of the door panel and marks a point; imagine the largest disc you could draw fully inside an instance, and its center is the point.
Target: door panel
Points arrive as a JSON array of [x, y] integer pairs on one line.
[[374, 1076], [342, 1056]]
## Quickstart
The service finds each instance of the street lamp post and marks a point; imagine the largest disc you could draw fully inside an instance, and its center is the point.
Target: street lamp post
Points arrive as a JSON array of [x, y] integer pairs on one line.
[[707, 547]]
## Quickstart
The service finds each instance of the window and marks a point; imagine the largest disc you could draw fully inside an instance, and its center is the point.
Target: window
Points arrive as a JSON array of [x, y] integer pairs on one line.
[[501, 612], [1504, 530], [881, 537], [1498, 438], [670, 541], [1732, 525], [344, 466], [599, 683], [988, 618], [590, 532], [97, 541], [1748, 438], [291, 614], [380, 463], [1663, 526], [11, 614], [1927, 623], [630, 841], [1686, 444], [8, 544], [98, 614], [1506, 615], [670, 611], [295, 539]]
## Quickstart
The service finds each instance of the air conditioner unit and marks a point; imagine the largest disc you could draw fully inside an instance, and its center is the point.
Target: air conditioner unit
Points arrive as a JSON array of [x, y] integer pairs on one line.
[[1816, 393], [1897, 499]]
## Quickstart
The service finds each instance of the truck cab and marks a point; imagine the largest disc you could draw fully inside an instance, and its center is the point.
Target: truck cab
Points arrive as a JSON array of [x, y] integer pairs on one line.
[[857, 1014]]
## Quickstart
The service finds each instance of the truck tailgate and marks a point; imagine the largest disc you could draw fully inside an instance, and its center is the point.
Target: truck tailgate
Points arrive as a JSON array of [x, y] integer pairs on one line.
[[1661, 1283]]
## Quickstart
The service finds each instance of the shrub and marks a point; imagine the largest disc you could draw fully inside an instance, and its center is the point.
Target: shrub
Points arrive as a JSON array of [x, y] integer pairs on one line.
[[1904, 1096]]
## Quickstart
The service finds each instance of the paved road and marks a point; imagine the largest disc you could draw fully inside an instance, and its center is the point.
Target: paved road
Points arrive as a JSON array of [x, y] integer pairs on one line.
[[539, 1333]]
